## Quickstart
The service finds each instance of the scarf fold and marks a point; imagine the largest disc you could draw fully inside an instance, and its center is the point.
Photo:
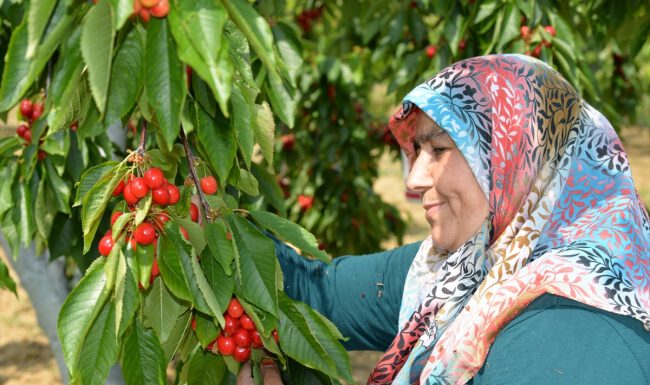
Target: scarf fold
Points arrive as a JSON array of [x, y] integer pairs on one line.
[[565, 217]]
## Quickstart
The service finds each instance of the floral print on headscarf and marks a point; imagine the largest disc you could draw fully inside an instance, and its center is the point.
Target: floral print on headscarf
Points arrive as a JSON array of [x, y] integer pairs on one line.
[[565, 217]]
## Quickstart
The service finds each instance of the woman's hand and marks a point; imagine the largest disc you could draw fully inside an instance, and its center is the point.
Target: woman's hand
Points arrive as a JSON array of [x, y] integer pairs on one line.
[[270, 374]]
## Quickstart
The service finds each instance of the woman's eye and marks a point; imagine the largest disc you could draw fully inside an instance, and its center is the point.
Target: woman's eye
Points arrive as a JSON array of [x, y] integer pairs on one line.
[[439, 150]]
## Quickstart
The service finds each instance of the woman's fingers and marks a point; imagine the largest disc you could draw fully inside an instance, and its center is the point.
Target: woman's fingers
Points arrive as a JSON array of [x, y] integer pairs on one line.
[[270, 374]]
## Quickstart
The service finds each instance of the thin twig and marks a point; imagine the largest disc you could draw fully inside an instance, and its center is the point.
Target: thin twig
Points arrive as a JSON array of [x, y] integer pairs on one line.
[[190, 159], [143, 137]]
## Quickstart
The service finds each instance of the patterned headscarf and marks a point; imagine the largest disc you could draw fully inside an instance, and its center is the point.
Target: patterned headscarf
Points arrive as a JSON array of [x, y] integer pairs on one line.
[[565, 217]]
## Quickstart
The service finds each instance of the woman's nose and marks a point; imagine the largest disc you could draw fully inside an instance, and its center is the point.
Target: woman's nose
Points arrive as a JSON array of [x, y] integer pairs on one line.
[[419, 178]]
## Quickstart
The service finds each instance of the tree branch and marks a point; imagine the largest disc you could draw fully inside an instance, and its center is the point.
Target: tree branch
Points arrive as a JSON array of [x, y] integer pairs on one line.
[[190, 159]]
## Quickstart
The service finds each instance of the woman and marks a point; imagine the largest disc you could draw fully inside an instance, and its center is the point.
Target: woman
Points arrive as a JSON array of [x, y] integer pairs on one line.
[[536, 268]]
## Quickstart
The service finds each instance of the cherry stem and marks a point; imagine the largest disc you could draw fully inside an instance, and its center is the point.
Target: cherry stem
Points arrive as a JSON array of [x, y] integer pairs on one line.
[[143, 136], [190, 159]]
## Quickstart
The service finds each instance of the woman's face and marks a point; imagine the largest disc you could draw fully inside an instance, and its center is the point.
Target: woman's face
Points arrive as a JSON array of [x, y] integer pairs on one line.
[[454, 203]]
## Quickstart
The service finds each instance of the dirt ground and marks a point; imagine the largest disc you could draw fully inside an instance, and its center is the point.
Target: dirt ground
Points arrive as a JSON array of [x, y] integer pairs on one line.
[[25, 356]]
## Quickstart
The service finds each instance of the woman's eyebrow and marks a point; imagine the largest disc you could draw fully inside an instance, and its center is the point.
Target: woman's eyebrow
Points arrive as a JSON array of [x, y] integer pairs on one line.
[[429, 135]]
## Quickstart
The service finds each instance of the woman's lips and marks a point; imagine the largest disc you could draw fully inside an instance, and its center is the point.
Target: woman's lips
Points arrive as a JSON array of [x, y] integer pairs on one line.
[[431, 209]]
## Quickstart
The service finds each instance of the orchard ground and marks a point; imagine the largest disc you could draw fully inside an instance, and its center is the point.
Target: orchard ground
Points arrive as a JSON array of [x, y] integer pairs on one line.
[[25, 356]]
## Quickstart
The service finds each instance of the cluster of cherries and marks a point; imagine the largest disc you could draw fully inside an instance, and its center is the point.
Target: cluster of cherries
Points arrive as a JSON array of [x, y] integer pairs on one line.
[[163, 194], [30, 112], [147, 8], [526, 33], [307, 16], [239, 336]]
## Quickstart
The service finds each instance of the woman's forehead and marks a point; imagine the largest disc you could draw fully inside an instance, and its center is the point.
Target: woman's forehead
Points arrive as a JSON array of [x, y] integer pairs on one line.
[[427, 129]]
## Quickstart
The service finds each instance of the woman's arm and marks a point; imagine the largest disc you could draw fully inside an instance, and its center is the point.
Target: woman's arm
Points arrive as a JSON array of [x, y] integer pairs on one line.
[[360, 294]]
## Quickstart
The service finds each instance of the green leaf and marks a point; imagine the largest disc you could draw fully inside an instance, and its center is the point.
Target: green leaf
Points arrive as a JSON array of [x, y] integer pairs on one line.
[[162, 310], [217, 142], [205, 369], [510, 29], [240, 55], [123, 10], [222, 285], [26, 221], [255, 28], [100, 351], [37, 18], [242, 125], [289, 49], [7, 175], [43, 213], [142, 358], [80, 308], [60, 188], [282, 99], [127, 76], [264, 127], [6, 282], [90, 177], [19, 73], [127, 298], [164, 79], [144, 255], [248, 183], [323, 333], [220, 246], [206, 292], [97, 38], [270, 188], [299, 342], [198, 29], [94, 204], [9, 145], [258, 264], [206, 331], [292, 233], [176, 336]]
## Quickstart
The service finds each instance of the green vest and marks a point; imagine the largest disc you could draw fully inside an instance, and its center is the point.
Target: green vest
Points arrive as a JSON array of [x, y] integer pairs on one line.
[[553, 341]]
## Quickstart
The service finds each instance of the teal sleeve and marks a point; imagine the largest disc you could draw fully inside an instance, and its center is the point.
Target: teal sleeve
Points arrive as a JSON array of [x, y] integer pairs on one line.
[[557, 341], [360, 294]]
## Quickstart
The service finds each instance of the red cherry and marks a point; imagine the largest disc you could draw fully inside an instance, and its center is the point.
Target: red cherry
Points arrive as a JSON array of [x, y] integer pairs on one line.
[[145, 233], [246, 322], [160, 196], [241, 354], [26, 109], [154, 177], [174, 194], [232, 325], [74, 126], [242, 338], [144, 15], [162, 218], [275, 335], [21, 130], [148, 3], [431, 51], [106, 245], [118, 189], [28, 136], [461, 45], [193, 323], [114, 217], [137, 7], [209, 185], [188, 71], [551, 30], [128, 195], [288, 142], [305, 202], [185, 234], [37, 111], [235, 309], [256, 340], [194, 212], [331, 92], [41, 155], [160, 10], [524, 32], [138, 187], [155, 270], [537, 51], [226, 345]]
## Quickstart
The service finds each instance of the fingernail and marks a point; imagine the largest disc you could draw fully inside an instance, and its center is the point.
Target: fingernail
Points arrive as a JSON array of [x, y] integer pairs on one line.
[[268, 362]]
